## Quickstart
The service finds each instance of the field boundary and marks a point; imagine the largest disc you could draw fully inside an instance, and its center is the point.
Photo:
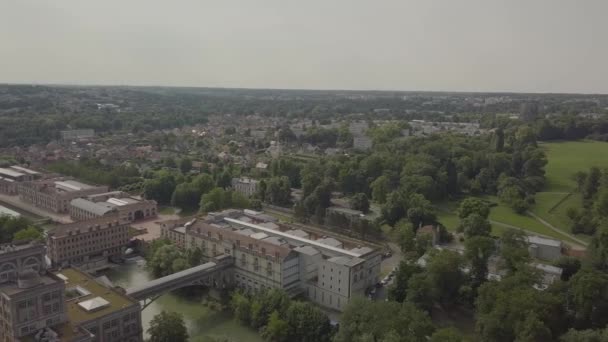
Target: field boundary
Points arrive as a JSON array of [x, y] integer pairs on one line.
[[559, 202]]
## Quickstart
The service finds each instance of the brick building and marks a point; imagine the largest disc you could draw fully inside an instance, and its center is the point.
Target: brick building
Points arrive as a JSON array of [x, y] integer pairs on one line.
[[87, 243]]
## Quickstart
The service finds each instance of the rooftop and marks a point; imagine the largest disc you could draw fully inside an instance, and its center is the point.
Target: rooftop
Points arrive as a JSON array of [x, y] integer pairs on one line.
[[72, 185], [537, 240], [79, 308], [22, 169], [314, 243], [85, 226], [98, 208], [10, 173]]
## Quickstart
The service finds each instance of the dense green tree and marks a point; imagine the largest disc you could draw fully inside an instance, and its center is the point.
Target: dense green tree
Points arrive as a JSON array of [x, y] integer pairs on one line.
[[478, 250], [475, 225], [394, 208], [447, 335], [186, 196], [380, 189], [160, 188], [420, 291], [532, 329], [513, 309], [168, 327], [9, 226], [397, 291], [278, 191], [185, 165], [472, 205], [277, 329], [307, 323], [598, 248], [514, 249], [420, 210], [162, 262], [28, 234], [588, 290], [569, 266], [364, 321], [446, 276], [241, 306], [585, 336], [360, 202]]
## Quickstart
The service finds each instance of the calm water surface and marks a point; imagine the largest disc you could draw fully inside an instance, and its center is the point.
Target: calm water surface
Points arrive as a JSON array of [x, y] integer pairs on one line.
[[200, 320]]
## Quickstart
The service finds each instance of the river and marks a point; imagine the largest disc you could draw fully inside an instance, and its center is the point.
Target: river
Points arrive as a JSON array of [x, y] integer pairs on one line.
[[201, 321]]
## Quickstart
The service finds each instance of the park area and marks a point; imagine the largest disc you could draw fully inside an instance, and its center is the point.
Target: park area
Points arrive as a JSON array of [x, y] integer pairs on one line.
[[548, 216]]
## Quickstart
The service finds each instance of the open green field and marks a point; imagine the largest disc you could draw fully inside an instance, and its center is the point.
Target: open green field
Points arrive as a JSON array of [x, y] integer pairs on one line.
[[501, 217], [564, 159], [568, 157]]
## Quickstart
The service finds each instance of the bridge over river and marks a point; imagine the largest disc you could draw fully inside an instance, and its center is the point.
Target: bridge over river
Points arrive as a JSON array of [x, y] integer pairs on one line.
[[216, 274]]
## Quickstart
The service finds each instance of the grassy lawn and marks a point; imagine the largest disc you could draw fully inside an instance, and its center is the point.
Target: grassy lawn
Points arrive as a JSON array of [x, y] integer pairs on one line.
[[166, 210], [566, 158], [545, 201], [503, 217]]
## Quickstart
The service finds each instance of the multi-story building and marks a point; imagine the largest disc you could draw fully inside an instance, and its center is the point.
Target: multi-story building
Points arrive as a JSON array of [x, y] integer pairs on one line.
[[87, 243], [56, 194], [268, 255], [10, 177], [245, 186], [30, 298], [127, 207], [105, 312]]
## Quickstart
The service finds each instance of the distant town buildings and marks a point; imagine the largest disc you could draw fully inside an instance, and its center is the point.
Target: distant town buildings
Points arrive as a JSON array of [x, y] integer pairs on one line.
[[245, 186], [77, 134]]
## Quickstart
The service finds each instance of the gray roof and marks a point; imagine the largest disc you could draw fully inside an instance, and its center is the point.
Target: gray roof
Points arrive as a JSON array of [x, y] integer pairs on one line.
[[275, 240], [99, 209], [308, 250], [346, 261], [329, 241], [537, 240]]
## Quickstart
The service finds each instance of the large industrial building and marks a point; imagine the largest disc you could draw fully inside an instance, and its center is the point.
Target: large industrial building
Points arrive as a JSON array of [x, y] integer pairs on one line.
[[87, 244], [31, 299], [128, 208], [56, 194], [68, 305], [10, 177], [266, 255]]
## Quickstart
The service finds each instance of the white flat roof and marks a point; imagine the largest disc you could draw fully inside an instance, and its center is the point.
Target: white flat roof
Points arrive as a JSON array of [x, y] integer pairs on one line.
[[297, 238], [22, 169], [10, 173]]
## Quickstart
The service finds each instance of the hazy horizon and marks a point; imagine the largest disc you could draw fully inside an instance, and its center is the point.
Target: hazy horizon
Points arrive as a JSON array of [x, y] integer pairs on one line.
[[539, 46]]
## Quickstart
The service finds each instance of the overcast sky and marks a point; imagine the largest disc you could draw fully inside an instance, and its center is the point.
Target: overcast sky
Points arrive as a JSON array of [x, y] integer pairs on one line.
[[460, 45]]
